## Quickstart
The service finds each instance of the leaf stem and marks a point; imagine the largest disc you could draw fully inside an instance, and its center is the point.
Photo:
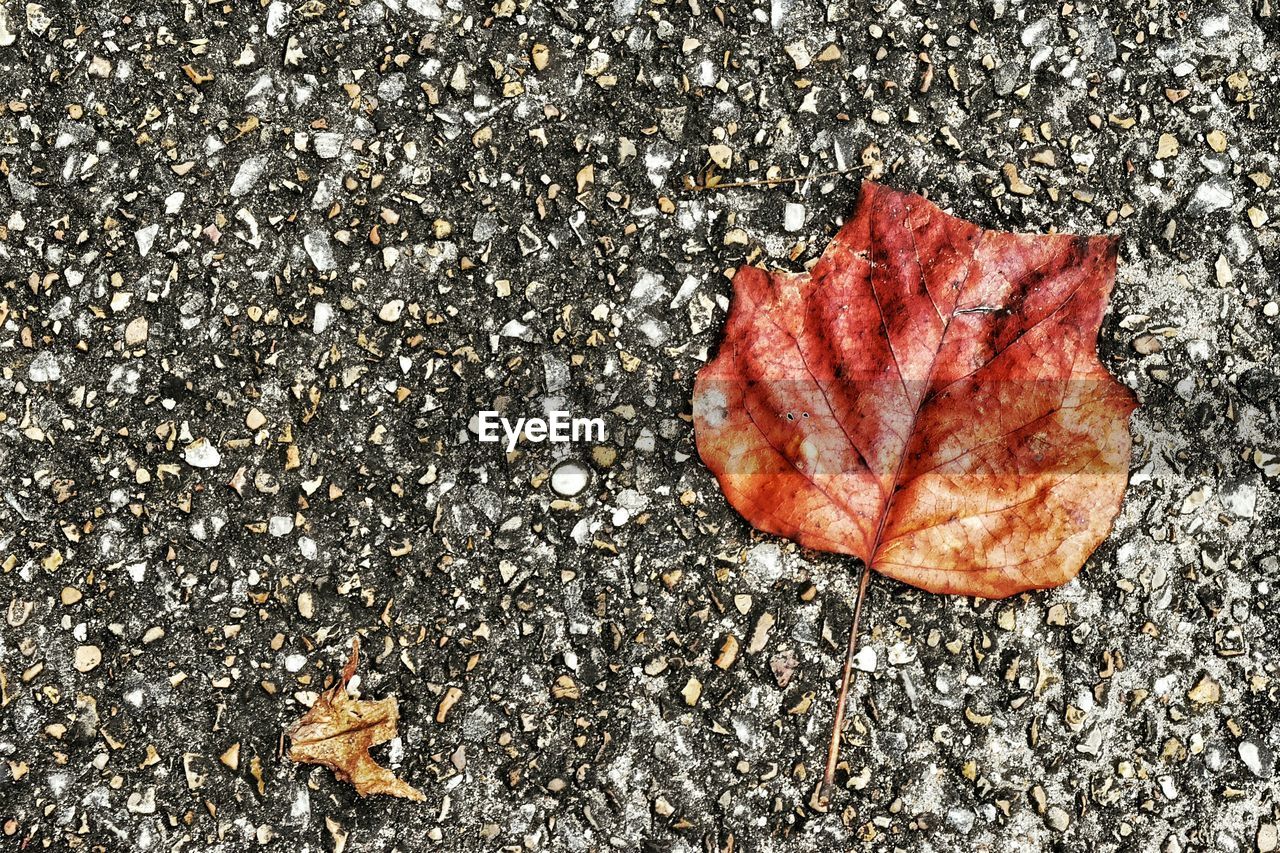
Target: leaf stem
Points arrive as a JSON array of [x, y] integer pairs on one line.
[[837, 726], [690, 186]]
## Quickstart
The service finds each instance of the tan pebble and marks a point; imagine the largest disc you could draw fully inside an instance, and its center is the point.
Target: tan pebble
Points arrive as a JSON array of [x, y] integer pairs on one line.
[[1268, 838], [1145, 345], [136, 332], [71, 595], [721, 155], [1217, 140], [566, 688], [1015, 183], [692, 691], [540, 55], [1167, 146], [450, 698], [829, 54], [760, 636], [306, 605], [1058, 613], [255, 419], [1206, 692], [87, 658], [728, 652], [231, 757], [1222, 271]]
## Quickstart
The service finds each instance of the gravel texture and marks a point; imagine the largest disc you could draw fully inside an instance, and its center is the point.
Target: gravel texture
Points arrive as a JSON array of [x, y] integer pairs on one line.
[[261, 263]]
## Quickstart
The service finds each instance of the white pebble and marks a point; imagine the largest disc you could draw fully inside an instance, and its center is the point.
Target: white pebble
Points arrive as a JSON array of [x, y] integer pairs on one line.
[[146, 238], [318, 249], [248, 174], [391, 311], [324, 314], [569, 478], [793, 217], [202, 454], [1251, 758], [1213, 196], [328, 145], [44, 368]]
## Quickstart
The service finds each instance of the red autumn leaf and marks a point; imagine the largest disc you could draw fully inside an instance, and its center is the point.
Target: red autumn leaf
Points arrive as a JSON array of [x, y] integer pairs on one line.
[[928, 398]]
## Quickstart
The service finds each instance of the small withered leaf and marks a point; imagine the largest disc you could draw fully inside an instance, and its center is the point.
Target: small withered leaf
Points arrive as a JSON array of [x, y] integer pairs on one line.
[[338, 732]]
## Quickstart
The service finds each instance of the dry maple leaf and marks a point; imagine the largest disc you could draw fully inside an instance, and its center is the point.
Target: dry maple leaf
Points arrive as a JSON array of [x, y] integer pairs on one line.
[[338, 731], [927, 398]]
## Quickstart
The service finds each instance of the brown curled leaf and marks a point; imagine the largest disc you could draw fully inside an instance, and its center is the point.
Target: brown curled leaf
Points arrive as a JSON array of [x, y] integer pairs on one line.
[[338, 732], [927, 398]]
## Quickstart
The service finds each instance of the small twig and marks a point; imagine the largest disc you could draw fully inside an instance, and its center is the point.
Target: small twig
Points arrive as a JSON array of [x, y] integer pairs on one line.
[[768, 182], [833, 748]]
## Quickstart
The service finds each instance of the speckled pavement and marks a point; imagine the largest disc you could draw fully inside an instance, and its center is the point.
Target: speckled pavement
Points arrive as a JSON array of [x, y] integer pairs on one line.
[[261, 264]]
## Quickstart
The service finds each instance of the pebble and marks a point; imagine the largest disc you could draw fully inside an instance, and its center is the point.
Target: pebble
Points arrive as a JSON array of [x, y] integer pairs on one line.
[[44, 368], [1057, 818], [248, 174], [328, 145], [569, 478], [793, 216], [146, 238], [692, 691], [721, 155], [1251, 757], [1212, 195], [322, 317], [135, 333], [799, 54], [1205, 692], [391, 311], [87, 658], [318, 249], [7, 36], [961, 819], [202, 454]]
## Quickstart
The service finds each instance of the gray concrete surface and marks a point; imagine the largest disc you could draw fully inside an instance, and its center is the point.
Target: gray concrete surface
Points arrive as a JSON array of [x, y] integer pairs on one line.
[[293, 247]]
